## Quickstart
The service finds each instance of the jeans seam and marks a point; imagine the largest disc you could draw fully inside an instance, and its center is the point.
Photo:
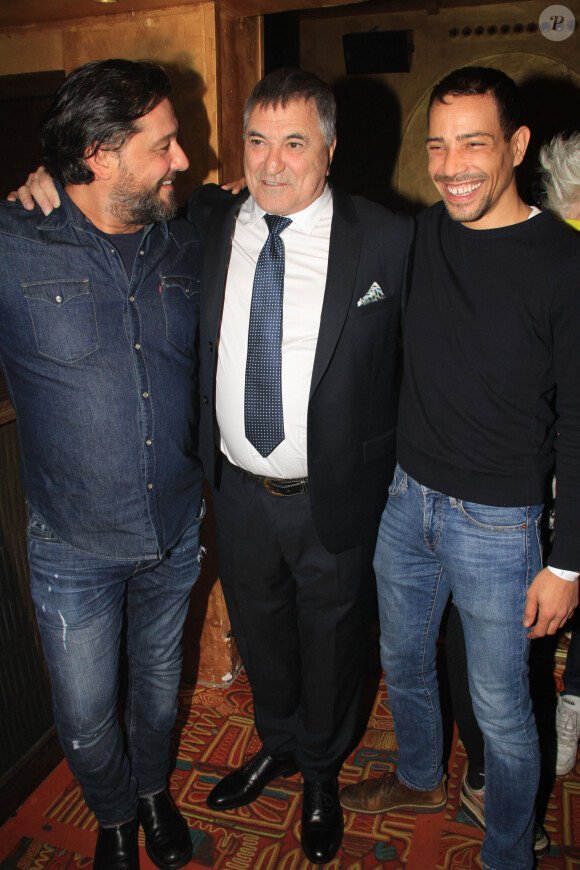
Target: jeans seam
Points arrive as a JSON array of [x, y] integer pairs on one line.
[[434, 758]]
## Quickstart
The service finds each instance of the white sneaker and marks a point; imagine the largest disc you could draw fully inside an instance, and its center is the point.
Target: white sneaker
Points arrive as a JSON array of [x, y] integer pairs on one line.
[[567, 732]]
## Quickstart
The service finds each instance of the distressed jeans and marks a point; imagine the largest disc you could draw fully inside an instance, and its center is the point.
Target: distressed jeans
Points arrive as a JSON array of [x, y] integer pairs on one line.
[[431, 545], [84, 604]]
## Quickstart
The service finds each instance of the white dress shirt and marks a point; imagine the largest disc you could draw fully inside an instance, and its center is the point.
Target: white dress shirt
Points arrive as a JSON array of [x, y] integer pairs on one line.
[[306, 243]]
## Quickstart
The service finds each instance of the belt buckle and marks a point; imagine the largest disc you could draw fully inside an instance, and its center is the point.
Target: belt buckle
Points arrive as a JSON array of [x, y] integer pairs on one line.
[[267, 486]]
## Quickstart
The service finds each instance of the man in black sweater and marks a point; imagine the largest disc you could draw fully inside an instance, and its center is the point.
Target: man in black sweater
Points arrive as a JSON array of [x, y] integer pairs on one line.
[[490, 403]]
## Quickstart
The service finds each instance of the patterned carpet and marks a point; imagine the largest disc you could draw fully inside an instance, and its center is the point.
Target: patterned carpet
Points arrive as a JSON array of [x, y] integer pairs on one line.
[[54, 831]]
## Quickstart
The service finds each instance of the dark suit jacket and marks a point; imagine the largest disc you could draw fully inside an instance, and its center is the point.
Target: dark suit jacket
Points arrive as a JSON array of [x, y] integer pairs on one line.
[[354, 390]]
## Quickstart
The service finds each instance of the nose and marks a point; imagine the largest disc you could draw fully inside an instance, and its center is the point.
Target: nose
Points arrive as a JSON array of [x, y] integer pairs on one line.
[[274, 161], [454, 163], [179, 161]]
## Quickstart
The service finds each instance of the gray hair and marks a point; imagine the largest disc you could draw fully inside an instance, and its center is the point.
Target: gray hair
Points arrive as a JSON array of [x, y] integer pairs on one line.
[[560, 162], [285, 85]]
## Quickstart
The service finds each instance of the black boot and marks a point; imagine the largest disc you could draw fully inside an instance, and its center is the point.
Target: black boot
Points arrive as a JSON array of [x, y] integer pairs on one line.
[[167, 839], [117, 847]]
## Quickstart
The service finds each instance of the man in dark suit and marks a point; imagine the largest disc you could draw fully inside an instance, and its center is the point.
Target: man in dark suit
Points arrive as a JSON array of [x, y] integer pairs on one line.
[[297, 513]]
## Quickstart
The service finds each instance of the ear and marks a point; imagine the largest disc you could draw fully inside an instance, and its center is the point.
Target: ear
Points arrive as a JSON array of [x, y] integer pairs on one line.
[[331, 154], [520, 142], [101, 162]]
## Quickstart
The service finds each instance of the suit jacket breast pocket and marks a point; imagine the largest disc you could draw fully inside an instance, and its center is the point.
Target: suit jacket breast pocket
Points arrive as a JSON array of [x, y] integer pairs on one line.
[[375, 308]]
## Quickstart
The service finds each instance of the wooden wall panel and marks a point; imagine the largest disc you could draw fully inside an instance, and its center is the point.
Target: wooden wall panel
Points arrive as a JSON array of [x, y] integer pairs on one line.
[[241, 54], [182, 39], [30, 49]]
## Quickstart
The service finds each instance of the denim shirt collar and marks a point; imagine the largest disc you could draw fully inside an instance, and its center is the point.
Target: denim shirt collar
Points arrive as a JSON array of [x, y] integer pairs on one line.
[[70, 213]]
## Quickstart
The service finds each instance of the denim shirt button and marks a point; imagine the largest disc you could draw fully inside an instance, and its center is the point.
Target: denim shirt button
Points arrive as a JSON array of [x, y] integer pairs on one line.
[[131, 298], [141, 253], [137, 346], [145, 394], [148, 442], [149, 486], [58, 299]]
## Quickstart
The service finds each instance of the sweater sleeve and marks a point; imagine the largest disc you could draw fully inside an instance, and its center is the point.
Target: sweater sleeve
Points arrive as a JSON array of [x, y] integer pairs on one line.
[[565, 322]]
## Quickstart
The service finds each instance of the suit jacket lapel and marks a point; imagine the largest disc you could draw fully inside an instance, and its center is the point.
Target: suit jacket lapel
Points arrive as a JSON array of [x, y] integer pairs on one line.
[[343, 256], [218, 248]]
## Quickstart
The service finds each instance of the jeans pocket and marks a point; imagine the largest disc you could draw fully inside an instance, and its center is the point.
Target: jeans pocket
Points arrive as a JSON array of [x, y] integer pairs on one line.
[[180, 297], [494, 518], [63, 317], [399, 483], [38, 530]]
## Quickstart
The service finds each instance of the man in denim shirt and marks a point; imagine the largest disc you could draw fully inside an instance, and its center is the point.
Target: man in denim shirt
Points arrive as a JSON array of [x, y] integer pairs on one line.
[[98, 319]]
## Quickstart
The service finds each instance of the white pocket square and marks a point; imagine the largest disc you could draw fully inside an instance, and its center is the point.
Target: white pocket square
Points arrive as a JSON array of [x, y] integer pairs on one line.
[[373, 294]]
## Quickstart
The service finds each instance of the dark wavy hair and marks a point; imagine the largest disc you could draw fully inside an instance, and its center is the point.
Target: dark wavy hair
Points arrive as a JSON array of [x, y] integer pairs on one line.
[[286, 84], [471, 80], [99, 104]]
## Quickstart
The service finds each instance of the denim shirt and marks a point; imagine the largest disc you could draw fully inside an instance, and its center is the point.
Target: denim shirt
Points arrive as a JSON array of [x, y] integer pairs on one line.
[[102, 370]]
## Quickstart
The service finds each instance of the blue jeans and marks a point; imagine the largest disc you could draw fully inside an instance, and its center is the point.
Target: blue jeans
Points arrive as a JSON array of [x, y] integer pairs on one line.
[[431, 545], [82, 605]]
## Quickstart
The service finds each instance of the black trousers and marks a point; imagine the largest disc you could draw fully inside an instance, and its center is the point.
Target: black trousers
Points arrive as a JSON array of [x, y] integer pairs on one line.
[[300, 616]]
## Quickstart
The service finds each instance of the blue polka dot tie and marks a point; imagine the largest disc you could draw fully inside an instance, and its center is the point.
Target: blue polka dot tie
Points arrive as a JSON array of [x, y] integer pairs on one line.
[[263, 414]]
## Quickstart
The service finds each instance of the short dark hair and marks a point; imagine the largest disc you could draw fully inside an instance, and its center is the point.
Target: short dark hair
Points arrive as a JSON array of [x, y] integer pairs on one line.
[[99, 104], [286, 84], [471, 80]]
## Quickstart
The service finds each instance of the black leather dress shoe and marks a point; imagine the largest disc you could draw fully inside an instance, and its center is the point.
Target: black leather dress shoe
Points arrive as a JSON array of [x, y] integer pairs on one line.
[[245, 784], [117, 847], [167, 839], [322, 822]]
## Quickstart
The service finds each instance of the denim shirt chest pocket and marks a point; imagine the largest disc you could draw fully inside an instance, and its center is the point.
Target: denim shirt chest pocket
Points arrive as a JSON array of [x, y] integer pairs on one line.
[[180, 296], [63, 318]]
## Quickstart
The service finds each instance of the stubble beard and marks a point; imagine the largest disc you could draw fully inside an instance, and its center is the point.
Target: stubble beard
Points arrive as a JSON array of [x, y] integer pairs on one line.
[[467, 217], [470, 212], [135, 206]]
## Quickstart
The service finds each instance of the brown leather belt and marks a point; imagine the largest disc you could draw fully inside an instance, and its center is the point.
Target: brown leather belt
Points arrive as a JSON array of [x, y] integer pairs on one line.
[[280, 486]]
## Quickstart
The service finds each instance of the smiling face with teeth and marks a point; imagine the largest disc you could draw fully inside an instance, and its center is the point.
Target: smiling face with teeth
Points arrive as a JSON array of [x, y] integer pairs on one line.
[[472, 164]]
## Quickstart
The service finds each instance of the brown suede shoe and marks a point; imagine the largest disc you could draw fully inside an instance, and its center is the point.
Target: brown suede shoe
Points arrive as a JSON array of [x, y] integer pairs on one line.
[[388, 793]]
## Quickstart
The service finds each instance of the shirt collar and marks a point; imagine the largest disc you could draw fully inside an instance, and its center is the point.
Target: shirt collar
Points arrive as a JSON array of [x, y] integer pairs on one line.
[[305, 220], [70, 213]]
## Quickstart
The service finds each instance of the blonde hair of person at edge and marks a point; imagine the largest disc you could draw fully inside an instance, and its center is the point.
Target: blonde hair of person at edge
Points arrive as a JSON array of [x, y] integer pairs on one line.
[[560, 163]]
